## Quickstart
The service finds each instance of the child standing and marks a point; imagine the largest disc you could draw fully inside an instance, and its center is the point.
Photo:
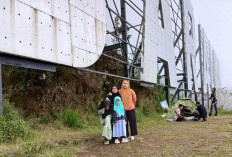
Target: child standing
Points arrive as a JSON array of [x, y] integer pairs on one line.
[[119, 128]]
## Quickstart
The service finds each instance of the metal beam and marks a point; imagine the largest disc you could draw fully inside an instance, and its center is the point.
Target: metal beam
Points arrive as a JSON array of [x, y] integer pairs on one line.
[[124, 36], [112, 47], [26, 63]]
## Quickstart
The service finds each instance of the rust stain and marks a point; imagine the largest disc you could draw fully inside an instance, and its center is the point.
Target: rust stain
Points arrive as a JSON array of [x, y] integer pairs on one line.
[[12, 25], [36, 38], [55, 37]]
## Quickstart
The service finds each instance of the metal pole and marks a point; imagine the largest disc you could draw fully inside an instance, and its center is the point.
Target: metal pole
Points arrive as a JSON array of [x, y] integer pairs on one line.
[[201, 64], [166, 83], [1, 102], [184, 49], [124, 36]]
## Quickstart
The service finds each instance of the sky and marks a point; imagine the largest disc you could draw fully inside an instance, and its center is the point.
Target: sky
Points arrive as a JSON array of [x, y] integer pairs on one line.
[[215, 16]]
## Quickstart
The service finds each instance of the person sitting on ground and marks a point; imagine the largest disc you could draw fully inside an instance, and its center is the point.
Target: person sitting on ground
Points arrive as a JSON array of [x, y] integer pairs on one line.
[[177, 115], [119, 128], [186, 112], [202, 112]]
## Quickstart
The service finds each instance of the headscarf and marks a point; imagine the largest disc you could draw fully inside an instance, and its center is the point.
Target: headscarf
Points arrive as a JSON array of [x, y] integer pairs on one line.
[[119, 108], [114, 94], [126, 95]]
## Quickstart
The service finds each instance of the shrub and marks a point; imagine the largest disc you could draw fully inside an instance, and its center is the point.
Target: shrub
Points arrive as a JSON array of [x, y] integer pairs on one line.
[[72, 119], [11, 124], [139, 115]]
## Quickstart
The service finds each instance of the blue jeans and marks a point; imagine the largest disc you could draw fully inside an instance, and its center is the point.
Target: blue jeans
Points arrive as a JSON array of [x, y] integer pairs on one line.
[[211, 109]]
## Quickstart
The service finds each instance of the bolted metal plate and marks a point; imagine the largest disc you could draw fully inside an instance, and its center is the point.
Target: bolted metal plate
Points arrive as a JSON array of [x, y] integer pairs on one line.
[[88, 27], [53, 31]]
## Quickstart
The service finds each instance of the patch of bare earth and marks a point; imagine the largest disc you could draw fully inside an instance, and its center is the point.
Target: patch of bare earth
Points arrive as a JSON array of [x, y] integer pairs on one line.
[[170, 139]]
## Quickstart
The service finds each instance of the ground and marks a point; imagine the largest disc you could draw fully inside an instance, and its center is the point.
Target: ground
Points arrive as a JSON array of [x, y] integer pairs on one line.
[[156, 138]]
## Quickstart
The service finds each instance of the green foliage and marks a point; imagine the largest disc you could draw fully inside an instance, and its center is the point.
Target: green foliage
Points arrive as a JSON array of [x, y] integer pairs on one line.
[[12, 126], [159, 96], [139, 115], [224, 111], [72, 119]]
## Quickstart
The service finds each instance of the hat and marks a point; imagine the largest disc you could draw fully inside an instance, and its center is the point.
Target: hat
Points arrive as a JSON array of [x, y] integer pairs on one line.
[[180, 105]]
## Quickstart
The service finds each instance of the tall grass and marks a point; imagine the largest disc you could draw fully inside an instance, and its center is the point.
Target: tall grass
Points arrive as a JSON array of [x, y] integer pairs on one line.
[[12, 126]]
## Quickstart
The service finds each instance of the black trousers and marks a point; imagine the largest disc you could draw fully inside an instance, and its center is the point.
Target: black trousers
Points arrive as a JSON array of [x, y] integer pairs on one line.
[[131, 118], [211, 109], [180, 119]]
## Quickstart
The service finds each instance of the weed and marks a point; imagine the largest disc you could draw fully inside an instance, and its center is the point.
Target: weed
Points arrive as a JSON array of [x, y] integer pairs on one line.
[[11, 124], [72, 119]]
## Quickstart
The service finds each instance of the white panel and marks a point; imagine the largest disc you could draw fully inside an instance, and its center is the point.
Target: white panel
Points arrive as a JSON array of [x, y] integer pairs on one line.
[[87, 6], [64, 52], [46, 34], [100, 11], [158, 43], [24, 30], [5, 29], [88, 33], [81, 58], [61, 10], [149, 59], [100, 29], [55, 8], [40, 29]]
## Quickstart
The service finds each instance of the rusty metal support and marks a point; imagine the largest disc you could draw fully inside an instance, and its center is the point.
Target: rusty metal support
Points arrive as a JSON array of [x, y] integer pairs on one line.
[[201, 64], [124, 36], [184, 47]]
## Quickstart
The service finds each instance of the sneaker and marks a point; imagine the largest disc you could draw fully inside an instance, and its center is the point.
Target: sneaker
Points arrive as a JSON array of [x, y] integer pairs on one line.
[[107, 142], [124, 140], [116, 141], [132, 138]]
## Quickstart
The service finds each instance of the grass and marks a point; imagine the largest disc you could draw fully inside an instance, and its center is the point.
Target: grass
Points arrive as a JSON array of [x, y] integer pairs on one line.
[[156, 138]]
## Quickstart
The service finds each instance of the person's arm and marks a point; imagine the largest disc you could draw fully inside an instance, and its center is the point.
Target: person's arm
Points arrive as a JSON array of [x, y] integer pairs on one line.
[[134, 99], [115, 117], [178, 114]]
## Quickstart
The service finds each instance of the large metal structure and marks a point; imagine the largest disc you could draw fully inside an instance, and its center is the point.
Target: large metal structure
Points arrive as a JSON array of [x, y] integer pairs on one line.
[[155, 40], [208, 66]]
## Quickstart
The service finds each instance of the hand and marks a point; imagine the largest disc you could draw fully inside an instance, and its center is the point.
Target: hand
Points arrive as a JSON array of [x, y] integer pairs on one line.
[[110, 94], [115, 124]]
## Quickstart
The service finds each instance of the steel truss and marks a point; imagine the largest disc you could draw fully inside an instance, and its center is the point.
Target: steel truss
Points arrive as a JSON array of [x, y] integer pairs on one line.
[[178, 24], [207, 58], [130, 46]]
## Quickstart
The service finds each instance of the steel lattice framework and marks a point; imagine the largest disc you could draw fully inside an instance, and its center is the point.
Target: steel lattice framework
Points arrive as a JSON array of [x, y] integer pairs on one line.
[[154, 41]]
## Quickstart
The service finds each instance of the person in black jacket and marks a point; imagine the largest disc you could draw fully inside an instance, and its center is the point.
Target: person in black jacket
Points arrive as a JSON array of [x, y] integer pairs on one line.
[[202, 112], [213, 100], [106, 111]]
